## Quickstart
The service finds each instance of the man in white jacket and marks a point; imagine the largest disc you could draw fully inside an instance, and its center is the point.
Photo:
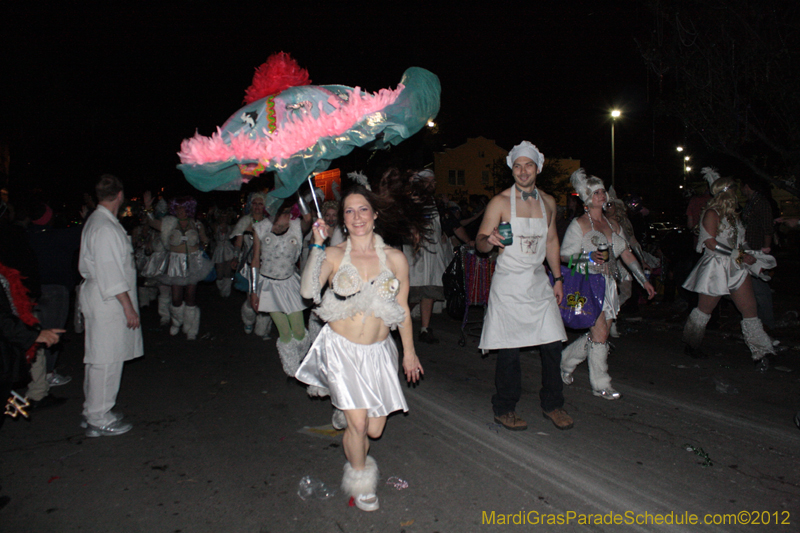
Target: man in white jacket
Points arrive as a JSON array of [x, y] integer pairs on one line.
[[108, 300]]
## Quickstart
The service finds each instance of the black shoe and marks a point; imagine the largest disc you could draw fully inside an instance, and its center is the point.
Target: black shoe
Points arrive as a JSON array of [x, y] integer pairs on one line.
[[762, 365], [694, 353], [4, 501], [46, 403], [428, 337]]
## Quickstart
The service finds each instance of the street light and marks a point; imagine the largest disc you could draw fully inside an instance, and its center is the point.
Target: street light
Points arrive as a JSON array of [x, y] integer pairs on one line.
[[615, 114], [686, 168]]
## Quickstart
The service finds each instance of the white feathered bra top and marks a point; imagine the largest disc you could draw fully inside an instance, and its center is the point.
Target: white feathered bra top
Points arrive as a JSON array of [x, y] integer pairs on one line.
[[350, 295]]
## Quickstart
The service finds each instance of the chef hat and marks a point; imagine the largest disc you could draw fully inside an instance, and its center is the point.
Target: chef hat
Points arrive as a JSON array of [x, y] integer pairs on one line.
[[525, 149]]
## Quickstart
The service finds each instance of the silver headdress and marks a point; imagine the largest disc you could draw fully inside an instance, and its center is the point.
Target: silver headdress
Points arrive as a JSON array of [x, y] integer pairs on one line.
[[360, 178], [710, 174], [585, 186]]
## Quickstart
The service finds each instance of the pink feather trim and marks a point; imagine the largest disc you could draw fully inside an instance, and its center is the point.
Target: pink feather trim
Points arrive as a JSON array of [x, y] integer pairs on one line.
[[293, 137], [277, 74]]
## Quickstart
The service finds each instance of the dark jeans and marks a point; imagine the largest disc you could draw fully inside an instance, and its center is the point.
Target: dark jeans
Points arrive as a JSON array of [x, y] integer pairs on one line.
[[53, 308], [508, 379]]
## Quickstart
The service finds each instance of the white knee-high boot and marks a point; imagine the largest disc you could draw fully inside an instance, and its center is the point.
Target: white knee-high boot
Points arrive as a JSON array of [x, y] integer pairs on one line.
[[573, 355], [694, 331], [176, 315], [757, 340], [289, 353], [146, 295], [191, 322], [362, 484], [163, 308], [263, 326], [248, 316], [598, 371]]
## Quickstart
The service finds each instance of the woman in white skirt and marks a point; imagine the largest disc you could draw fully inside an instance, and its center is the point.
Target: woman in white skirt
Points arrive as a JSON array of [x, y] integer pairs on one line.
[[186, 266], [354, 359], [723, 269], [584, 236], [276, 287], [224, 252]]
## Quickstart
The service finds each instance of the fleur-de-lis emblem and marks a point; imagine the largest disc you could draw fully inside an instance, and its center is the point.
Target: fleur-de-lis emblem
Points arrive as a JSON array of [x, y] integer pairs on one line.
[[575, 300]]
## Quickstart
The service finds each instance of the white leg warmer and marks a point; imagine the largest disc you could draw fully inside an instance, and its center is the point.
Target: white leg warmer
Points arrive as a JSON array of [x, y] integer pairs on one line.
[[191, 323], [574, 354], [695, 328], [176, 315], [756, 338], [338, 420], [598, 365], [248, 316], [146, 295], [290, 355], [263, 325], [360, 482], [163, 308]]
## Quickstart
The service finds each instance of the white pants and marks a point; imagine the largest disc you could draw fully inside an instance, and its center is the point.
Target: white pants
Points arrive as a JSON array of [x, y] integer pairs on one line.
[[100, 387]]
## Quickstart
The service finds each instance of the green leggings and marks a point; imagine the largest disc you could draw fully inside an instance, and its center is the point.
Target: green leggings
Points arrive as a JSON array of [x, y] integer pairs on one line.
[[289, 326]]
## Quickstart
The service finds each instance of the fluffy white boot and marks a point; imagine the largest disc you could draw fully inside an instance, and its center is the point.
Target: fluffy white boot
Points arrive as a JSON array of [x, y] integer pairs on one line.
[[146, 295], [598, 371], [338, 420], [695, 329], [224, 285], [573, 355], [263, 326], [163, 308], [362, 484], [756, 338], [290, 355], [191, 322], [176, 316], [313, 391], [248, 316]]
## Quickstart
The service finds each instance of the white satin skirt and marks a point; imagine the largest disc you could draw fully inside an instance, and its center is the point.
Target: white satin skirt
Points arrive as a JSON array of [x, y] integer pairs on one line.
[[358, 376], [186, 269], [715, 275], [280, 295]]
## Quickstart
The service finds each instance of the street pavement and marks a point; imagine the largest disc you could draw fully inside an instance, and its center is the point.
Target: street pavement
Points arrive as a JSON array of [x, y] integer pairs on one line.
[[222, 439]]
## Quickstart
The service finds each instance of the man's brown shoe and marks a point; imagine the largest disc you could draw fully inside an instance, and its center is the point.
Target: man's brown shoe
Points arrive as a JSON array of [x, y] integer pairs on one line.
[[511, 421], [560, 418]]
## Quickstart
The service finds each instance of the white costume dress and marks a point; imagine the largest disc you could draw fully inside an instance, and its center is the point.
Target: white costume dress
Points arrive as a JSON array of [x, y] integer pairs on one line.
[[185, 267], [107, 265], [357, 376], [575, 242], [223, 247], [522, 308], [425, 268], [279, 283], [716, 274]]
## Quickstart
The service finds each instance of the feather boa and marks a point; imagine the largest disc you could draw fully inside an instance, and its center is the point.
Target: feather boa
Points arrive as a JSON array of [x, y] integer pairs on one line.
[[21, 303], [277, 74], [294, 137]]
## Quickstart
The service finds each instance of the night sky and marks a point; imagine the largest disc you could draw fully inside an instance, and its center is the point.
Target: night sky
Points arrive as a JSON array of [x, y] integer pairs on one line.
[[115, 86]]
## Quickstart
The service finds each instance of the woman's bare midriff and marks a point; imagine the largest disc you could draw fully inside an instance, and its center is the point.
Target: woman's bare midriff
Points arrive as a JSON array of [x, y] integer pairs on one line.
[[360, 331]]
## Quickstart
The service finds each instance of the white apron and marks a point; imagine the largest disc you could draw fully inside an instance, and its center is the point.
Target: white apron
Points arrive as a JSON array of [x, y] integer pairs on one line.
[[522, 308]]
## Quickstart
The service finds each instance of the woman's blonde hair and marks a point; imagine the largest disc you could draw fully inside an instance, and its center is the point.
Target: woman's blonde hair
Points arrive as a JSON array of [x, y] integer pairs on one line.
[[724, 197]]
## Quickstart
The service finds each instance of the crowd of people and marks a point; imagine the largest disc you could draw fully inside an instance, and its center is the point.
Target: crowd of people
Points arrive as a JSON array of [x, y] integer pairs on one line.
[[381, 248]]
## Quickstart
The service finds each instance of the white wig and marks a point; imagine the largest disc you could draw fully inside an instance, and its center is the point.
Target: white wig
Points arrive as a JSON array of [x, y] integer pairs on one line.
[[585, 186]]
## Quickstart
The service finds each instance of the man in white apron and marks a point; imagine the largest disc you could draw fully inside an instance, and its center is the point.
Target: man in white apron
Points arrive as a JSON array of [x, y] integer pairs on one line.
[[108, 300], [523, 306]]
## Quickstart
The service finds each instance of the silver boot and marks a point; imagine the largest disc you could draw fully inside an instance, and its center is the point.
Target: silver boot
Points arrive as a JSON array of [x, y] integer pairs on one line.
[[758, 341], [176, 316], [694, 331]]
